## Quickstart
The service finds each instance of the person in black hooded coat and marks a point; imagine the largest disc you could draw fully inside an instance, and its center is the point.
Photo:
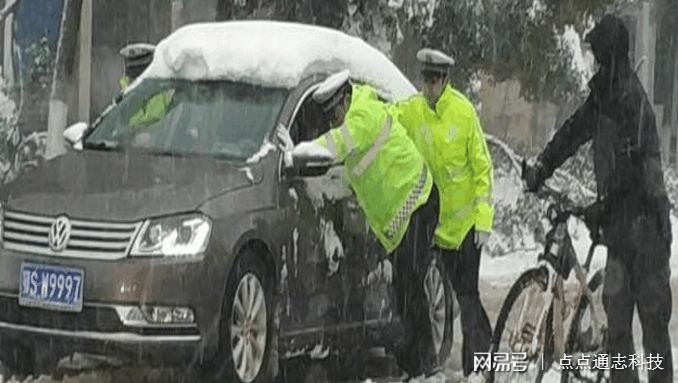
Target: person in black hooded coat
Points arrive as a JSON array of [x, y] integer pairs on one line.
[[632, 211]]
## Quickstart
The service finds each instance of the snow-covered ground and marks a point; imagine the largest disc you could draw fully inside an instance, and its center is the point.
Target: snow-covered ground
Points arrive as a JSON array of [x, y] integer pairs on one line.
[[497, 275]]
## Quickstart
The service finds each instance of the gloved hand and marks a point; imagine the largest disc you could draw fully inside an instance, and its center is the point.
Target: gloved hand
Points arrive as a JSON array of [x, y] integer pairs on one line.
[[481, 238], [593, 217], [286, 144], [533, 175]]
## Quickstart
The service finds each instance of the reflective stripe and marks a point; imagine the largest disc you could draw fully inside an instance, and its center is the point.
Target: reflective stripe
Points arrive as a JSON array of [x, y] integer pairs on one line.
[[331, 145], [408, 207], [347, 138], [371, 154]]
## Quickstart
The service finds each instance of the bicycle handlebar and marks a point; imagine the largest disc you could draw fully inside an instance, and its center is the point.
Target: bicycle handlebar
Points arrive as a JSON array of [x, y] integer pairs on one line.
[[562, 208], [563, 203]]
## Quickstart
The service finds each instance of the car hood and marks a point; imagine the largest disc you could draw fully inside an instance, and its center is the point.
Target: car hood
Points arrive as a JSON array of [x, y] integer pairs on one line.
[[123, 186]]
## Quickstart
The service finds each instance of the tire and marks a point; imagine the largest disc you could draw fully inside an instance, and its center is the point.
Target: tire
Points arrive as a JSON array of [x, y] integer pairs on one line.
[[248, 285], [441, 312], [579, 341], [15, 359], [438, 291], [531, 279]]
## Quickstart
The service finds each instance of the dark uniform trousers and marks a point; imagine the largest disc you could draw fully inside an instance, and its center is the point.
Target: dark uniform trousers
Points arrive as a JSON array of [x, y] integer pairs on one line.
[[416, 353], [463, 268]]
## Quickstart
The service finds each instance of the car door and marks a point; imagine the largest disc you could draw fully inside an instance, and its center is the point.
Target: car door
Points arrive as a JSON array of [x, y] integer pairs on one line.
[[338, 278], [316, 252]]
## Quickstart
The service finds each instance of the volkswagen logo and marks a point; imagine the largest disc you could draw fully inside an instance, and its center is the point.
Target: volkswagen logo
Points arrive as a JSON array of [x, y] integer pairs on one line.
[[59, 234]]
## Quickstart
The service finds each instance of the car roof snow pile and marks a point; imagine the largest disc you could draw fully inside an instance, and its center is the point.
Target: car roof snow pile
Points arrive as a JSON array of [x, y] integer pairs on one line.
[[272, 54]]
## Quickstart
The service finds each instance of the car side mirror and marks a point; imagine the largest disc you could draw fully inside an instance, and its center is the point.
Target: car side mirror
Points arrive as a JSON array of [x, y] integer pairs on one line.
[[309, 160], [74, 134]]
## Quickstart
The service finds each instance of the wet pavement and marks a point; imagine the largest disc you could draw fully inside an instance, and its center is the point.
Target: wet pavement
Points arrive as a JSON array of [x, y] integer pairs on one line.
[[372, 366]]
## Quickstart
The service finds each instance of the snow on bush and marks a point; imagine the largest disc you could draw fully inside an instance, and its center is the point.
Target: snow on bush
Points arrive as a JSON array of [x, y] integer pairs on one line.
[[518, 222]]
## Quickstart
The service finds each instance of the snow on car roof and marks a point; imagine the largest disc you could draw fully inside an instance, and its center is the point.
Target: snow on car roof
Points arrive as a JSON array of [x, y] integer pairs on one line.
[[272, 54]]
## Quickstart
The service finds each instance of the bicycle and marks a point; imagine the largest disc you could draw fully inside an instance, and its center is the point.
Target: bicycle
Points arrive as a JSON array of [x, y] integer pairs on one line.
[[538, 333]]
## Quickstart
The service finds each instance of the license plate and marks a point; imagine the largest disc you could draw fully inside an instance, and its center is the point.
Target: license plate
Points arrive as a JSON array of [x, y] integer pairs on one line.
[[51, 287]]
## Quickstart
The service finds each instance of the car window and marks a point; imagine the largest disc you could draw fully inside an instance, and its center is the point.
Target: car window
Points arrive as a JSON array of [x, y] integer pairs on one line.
[[215, 118], [310, 122]]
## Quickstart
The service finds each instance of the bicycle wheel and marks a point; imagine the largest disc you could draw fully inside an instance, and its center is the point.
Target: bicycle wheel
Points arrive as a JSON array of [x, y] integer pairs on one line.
[[584, 340], [522, 328]]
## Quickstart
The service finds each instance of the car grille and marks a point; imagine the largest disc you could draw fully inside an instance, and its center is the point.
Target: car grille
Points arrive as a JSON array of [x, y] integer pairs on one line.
[[88, 239]]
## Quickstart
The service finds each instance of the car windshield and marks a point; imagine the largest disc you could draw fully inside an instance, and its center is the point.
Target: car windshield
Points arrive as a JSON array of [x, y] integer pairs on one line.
[[179, 117]]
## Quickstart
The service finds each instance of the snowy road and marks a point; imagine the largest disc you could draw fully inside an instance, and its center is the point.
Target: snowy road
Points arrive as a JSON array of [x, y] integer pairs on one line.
[[492, 292], [497, 275]]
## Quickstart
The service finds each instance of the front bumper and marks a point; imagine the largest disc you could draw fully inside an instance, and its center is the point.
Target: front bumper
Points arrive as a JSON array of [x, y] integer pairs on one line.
[[132, 348], [109, 286]]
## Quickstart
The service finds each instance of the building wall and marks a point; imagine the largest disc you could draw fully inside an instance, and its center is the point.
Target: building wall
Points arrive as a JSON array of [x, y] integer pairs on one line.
[[505, 114]]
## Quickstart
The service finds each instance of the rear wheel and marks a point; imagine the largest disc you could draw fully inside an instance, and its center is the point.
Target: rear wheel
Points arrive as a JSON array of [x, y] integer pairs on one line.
[[522, 328], [440, 302], [587, 337], [246, 328], [439, 297]]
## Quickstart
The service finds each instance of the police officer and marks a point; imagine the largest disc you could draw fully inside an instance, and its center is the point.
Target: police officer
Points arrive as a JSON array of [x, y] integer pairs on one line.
[[632, 208], [395, 189], [138, 57], [444, 126]]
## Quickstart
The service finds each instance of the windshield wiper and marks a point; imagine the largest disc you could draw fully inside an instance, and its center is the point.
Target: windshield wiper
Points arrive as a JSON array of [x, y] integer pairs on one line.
[[101, 145]]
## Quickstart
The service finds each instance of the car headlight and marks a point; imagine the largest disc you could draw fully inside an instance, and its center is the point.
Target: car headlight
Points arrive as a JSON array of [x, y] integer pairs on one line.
[[185, 235]]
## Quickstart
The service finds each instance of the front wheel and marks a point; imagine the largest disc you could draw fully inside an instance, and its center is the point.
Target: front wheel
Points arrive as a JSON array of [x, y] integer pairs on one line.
[[521, 330], [246, 328], [587, 337]]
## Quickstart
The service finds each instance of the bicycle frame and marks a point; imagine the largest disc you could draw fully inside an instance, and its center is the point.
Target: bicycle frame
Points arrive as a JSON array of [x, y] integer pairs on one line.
[[559, 259]]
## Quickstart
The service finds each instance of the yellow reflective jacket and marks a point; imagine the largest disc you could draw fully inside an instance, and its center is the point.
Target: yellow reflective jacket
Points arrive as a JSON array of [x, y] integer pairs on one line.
[[382, 164], [453, 144], [152, 110]]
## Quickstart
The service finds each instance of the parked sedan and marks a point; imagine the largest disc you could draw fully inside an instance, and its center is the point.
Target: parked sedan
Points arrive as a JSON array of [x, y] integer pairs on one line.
[[185, 239]]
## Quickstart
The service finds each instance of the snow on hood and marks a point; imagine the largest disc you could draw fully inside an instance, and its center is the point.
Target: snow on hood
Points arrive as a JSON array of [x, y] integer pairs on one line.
[[272, 54]]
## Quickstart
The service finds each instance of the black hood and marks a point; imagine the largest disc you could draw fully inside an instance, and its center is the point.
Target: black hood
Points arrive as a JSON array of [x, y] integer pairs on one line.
[[123, 186], [609, 40]]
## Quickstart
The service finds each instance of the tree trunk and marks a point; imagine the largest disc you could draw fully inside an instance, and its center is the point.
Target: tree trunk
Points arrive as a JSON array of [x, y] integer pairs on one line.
[[63, 68]]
